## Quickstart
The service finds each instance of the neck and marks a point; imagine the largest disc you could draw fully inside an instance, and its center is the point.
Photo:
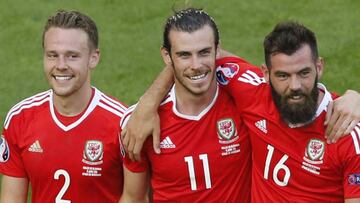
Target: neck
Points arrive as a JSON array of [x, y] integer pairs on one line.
[[72, 105], [320, 98], [193, 104]]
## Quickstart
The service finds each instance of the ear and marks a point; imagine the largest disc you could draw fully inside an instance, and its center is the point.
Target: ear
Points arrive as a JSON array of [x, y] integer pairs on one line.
[[94, 58], [266, 72], [166, 56], [320, 67], [218, 51]]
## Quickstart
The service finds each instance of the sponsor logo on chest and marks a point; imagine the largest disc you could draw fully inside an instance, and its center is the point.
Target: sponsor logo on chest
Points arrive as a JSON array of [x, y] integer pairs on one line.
[[227, 134], [93, 155], [314, 155]]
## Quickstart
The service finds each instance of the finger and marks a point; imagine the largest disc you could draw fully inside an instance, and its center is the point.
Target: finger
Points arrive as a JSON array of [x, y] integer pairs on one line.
[[156, 139], [123, 134], [137, 150], [125, 139], [351, 127], [340, 131], [329, 112], [131, 149], [331, 124], [336, 128]]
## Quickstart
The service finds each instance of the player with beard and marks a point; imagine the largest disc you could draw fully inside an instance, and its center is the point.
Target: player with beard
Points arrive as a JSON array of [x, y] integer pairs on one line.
[[291, 160]]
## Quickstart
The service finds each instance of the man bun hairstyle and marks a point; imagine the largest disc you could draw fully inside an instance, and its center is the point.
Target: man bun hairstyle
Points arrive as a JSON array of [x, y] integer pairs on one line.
[[188, 20]]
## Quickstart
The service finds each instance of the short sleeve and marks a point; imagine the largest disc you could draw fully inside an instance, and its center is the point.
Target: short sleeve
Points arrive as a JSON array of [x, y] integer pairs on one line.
[[349, 156], [11, 163]]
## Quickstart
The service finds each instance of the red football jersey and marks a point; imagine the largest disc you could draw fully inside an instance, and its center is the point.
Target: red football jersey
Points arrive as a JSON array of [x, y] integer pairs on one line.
[[204, 158], [291, 163], [80, 161]]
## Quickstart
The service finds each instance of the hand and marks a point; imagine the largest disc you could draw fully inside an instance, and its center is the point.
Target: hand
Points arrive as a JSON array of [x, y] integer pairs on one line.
[[142, 123], [342, 115]]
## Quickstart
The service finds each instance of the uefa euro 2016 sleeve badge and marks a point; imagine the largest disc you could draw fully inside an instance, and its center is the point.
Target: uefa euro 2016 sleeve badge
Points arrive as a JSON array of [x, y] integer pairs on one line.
[[226, 72], [4, 150]]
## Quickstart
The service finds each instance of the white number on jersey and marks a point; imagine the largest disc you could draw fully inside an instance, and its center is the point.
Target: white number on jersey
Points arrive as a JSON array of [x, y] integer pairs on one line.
[[205, 163], [280, 165], [66, 185]]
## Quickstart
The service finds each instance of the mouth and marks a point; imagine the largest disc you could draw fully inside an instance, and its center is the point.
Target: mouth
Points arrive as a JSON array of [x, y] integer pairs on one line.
[[296, 98], [62, 77], [198, 77]]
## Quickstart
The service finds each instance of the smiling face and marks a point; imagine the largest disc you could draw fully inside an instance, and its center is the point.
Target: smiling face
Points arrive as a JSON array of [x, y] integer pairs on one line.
[[68, 60], [193, 59], [293, 79]]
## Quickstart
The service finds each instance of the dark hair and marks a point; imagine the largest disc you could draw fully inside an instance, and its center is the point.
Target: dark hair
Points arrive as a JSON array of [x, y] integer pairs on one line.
[[188, 20], [288, 37], [73, 19]]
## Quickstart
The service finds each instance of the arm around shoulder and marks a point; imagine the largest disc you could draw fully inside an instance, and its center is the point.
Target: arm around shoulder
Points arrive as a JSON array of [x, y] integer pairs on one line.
[[13, 190]]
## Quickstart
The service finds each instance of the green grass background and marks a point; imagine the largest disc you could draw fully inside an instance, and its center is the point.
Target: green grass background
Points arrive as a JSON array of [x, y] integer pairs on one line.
[[131, 35]]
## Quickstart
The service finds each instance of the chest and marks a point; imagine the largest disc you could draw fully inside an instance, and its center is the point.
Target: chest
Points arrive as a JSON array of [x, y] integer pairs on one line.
[[87, 150]]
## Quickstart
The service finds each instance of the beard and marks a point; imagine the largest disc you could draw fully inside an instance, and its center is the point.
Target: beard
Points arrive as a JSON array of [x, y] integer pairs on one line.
[[297, 113]]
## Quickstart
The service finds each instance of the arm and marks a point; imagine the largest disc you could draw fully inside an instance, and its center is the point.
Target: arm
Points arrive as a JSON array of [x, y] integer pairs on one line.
[[145, 120], [342, 115], [357, 200], [13, 190], [223, 53], [135, 187]]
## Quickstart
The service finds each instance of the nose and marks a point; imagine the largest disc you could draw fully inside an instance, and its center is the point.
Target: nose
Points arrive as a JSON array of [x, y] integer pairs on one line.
[[195, 62], [295, 83], [61, 63]]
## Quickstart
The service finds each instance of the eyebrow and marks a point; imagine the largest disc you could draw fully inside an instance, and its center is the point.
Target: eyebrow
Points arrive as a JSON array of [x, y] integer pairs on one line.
[[284, 72]]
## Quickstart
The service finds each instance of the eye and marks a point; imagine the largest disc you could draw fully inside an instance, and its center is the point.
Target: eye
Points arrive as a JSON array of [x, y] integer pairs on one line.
[[282, 76], [73, 56], [184, 55], [204, 52], [304, 73], [51, 55]]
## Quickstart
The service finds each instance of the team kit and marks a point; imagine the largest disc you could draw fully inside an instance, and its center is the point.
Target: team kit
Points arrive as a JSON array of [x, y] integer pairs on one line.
[[229, 131]]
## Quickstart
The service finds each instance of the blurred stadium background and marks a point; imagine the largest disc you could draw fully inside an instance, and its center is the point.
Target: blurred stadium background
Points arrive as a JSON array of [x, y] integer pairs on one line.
[[131, 35]]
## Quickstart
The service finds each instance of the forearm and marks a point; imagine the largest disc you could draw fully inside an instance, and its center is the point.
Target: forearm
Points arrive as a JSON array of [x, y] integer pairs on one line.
[[158, 90], [136, 187], [13, 190], [127, 198], [356, 200], [223, 53]]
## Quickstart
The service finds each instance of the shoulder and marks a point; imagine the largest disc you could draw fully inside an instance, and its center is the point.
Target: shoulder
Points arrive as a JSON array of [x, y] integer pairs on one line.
[[111, 104], [232, 71], [27, 105], [349, 145]]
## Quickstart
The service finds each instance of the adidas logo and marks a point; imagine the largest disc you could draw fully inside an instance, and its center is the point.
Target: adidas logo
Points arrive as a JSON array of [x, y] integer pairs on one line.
[[167, 143], [261, 124], [35, 147]]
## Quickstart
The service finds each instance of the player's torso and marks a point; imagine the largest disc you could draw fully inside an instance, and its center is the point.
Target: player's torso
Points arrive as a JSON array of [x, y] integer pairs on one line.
[[290, 164], [82, 163], [205, 160]]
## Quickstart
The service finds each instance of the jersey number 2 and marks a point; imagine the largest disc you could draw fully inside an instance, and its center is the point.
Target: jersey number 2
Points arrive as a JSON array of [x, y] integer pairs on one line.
[[190, 162], [66, 185]]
